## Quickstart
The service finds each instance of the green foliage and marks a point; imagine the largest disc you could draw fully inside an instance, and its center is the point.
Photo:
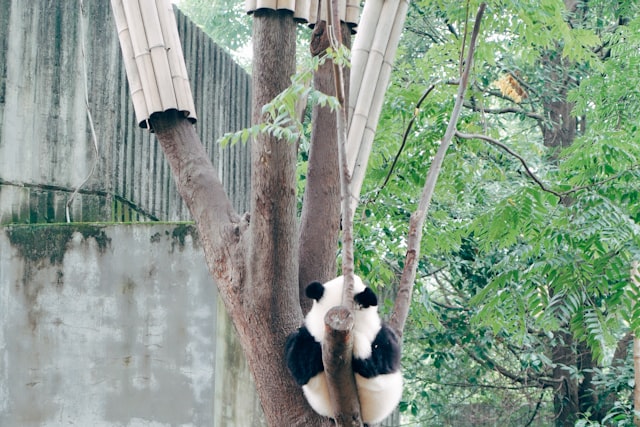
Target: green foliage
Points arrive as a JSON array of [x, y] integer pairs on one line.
[[281, 113], [225, 21], [511, 272]]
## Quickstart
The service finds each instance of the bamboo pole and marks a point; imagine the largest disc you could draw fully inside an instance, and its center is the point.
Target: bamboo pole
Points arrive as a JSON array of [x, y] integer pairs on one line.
[[175, 55], [142, 55], [135, 83], [361, 48], [372, 69], [153, 58], [360, 159], [159, 60]]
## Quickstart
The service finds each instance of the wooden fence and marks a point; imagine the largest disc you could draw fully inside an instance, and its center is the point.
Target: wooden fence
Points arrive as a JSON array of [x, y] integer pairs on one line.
[[47, 51]]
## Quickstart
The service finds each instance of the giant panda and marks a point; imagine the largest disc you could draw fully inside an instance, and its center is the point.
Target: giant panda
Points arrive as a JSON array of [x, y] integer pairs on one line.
[[376, 360], [376, 352]]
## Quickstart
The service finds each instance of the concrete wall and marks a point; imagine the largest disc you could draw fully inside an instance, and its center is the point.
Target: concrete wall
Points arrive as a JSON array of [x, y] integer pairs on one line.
[[115, 326], [108, 325], [46, 149]]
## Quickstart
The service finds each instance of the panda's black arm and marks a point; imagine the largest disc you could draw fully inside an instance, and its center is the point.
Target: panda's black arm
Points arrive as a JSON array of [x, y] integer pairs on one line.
[[303, 355], [385, 355]]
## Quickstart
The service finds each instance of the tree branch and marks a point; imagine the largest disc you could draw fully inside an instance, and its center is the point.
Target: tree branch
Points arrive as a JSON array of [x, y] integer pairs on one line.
[[493, 366], [560, 195], [337, 353], [335, 38], [499, 144], [405, 136], [506, 110], [337, 350], [535, 410], [405, 289], [202, 191], [320, 216]]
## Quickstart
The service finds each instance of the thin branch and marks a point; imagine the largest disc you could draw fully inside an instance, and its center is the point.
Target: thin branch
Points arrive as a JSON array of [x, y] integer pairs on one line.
[[493, 366], [536, 409], [485, 386], [405, 136], [560, 195], [405, 289], [464, 37], [602, 182], [337, 353], [94, 138], [448, 307], [335, 40], [497, 143], [506, 110]]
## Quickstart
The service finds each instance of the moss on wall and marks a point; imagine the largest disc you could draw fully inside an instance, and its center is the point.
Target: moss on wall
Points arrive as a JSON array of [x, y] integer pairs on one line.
[[181, 231], [35, 242]]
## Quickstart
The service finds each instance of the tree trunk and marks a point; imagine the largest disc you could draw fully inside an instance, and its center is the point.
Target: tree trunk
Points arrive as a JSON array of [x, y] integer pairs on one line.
[[565, 396], [320, 218], [255, 264], [271, 302]]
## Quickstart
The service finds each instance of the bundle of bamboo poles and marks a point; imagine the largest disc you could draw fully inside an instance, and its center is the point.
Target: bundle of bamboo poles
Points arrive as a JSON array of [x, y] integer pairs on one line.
[[307, 10], [153, 58], [372, 55]]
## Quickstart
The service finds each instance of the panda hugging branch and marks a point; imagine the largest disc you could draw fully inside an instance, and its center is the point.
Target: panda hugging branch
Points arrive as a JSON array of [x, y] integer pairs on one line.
[[376, 352]]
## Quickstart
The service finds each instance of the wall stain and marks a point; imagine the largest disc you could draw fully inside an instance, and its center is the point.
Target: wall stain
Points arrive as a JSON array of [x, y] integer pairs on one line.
[[180, 233], [42, 244], [36, 242]]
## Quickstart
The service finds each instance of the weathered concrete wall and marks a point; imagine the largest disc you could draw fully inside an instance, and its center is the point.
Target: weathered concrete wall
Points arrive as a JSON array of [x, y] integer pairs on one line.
[[45, 141], [115, 326]]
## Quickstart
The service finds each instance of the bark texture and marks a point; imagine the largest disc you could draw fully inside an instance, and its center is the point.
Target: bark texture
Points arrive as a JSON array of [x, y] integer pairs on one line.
[[337, 357], [272, 308], [320, 218], [254, 263]]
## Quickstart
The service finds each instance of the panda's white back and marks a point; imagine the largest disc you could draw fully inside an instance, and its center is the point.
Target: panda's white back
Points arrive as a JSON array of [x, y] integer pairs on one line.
[[379, 396], [316, 392]]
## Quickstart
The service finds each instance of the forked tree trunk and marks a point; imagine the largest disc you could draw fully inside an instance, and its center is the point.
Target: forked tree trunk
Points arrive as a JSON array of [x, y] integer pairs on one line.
[[320, 218], [255, 263], [271, 301]]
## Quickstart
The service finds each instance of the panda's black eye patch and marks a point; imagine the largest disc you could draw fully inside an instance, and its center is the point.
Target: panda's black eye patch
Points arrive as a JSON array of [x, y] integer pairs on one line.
[[366, 298], [315, 290]]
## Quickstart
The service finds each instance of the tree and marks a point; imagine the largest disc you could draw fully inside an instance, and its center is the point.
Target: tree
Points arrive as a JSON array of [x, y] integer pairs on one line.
[[544, 192], [563, 248], [254, 258]]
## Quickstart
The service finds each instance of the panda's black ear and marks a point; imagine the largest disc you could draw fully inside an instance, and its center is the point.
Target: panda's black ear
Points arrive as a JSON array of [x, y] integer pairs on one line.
[[315, 290], [366, 298]]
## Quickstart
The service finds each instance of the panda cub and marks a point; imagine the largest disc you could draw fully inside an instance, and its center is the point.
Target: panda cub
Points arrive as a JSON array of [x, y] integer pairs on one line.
[[376, 352]]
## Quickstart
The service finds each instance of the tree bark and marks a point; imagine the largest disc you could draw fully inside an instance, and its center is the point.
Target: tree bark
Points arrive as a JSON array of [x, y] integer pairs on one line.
[[320, 218], [337, 356], [271, 303], [565, 397], [220, 227]]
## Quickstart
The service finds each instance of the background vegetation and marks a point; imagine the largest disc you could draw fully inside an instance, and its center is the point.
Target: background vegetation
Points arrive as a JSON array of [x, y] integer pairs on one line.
[[524, 307]]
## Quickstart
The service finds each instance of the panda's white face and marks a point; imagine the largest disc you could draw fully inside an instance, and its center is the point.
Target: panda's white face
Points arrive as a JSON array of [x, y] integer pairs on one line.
[[331, 297], [367, 323]]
